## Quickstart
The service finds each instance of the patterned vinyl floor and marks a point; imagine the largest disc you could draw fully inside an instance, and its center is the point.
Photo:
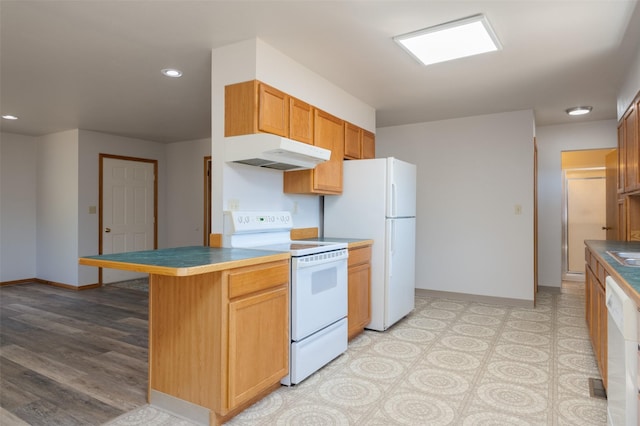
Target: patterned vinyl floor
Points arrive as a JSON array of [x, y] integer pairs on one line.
[[449, 362]]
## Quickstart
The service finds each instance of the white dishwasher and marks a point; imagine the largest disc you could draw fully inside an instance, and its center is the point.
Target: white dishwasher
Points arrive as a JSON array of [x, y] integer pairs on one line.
[[622, 357]]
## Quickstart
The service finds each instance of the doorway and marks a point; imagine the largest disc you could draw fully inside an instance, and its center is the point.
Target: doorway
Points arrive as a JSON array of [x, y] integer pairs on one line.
[[583, 207], [128, 210]]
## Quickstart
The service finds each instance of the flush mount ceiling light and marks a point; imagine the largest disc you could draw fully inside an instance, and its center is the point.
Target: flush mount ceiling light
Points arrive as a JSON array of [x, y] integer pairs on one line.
[[581, 110], [172, 72], [9, 117], [452, 40]]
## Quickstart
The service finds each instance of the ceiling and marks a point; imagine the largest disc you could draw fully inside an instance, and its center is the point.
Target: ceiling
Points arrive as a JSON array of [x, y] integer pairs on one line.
[[96, 65]]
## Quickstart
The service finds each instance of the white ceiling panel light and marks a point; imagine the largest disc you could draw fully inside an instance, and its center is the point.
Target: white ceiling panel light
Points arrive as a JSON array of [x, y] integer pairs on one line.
[[452, 40], [172, 72], [9, 117], [581, 110]]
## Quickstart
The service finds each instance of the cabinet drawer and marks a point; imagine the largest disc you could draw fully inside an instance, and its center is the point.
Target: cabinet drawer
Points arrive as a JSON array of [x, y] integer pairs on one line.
[[257, 278], [359, 255]]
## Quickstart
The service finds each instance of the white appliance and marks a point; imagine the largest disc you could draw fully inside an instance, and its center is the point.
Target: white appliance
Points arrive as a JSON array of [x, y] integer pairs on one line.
[[273, 152], [622, 353], [378, 202], [318, 279]]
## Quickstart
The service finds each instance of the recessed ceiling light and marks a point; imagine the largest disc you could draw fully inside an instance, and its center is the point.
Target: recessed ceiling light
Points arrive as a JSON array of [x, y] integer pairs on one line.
[[9, 117], [452, 40], [172, 72], [581, 110]]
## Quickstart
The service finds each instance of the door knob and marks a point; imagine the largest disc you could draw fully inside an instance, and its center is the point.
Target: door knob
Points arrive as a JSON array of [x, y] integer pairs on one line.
[[107, 230], [606, 228]]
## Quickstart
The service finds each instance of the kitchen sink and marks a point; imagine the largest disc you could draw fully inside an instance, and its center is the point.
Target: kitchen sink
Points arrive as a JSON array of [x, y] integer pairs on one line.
[[626, 258], [629, 254]]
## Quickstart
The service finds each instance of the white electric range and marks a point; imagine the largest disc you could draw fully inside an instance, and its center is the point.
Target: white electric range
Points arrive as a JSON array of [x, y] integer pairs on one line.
[[318, 280]]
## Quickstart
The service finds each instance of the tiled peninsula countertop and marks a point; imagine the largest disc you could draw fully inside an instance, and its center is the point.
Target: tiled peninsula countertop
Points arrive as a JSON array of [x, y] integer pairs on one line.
[[183, 261], [622, 274]]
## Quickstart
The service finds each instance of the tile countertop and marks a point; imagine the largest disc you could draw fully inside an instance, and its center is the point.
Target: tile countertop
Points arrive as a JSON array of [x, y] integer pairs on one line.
[[630, 274], [351, 242], [183, 261]]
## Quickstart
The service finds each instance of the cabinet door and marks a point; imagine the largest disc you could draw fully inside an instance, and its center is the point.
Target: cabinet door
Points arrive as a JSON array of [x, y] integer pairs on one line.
[[359, 314], [329, 134], [241, 108], [258, 343], [368, 145], [631, 152], [300, 121], [622, 219], [590, 303], [273, 111], [601, 335], [352, 141]]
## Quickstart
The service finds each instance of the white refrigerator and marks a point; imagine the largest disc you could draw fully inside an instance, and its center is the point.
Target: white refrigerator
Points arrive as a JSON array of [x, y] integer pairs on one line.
[[378, 202]]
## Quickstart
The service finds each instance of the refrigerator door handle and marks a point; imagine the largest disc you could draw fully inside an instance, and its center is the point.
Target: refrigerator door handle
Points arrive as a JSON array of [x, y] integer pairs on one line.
[[392, 240], [393, 200]]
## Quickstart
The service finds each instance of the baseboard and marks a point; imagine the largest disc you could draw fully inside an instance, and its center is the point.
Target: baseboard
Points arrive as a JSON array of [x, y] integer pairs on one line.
[[51, 283], [504, 301], [550, 289], [16, 282]]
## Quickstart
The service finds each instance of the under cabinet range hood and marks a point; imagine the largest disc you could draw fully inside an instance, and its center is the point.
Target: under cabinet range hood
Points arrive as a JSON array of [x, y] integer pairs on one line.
[[273, 152]]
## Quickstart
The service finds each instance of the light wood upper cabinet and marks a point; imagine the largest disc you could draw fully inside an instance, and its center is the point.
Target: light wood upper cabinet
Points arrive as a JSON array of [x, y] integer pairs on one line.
[[368, 145], [358, 143], [253, 107], [629, 149], [300, 121], [632, 171], [629, 173], [632, 217], [352, 141], [273, 110], [621, 157], [325, 178]]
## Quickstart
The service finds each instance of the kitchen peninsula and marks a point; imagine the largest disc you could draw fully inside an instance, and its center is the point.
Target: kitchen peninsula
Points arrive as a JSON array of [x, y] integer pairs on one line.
[[218, 326]]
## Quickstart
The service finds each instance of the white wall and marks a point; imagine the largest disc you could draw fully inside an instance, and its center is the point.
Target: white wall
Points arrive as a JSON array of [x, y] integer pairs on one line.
[[552, 140], [185, 192], [259, 189], [50, 182], [471, 174], [91, 145], [57, 208], [18, 171]]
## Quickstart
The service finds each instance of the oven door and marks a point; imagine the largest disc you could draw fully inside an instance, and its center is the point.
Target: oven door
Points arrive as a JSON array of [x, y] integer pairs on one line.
[[318, 292]]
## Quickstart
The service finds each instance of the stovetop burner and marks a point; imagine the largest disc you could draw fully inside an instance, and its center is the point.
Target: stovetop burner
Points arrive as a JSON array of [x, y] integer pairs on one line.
[[303, 248], [269, 231]]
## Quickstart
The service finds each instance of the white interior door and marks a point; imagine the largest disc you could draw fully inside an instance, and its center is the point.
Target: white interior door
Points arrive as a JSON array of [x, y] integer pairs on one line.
[[128, 192], [586, 216]]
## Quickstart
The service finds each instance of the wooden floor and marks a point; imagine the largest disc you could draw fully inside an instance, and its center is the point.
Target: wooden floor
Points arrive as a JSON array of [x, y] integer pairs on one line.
[[71, 357]]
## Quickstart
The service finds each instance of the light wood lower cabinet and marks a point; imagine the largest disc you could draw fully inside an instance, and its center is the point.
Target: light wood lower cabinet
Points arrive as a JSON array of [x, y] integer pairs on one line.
[[219, 340], [359, 273], [596, 310]]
